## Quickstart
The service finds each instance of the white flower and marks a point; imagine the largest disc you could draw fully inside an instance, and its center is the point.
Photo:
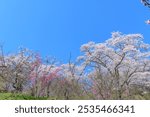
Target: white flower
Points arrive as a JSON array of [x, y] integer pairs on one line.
[[147, 22]]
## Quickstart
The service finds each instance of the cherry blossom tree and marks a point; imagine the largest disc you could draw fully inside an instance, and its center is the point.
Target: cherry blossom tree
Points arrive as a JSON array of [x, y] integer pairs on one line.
[[72, 81], [42, 75], [147, 4], [117, 63], [14, 69], [2, 69]]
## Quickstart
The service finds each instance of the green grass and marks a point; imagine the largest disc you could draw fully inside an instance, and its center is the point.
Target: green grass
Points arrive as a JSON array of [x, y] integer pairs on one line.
[[10, 96]]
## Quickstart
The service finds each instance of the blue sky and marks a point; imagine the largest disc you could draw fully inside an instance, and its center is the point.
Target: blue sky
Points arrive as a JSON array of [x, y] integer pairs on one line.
[[59, 27]]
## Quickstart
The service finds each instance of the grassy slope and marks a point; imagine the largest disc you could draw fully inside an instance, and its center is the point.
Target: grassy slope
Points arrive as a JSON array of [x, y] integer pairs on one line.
[[10, 96]]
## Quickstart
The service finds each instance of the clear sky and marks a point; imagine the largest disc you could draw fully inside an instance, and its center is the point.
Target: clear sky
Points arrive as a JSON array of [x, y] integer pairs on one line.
[[59, 27]]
